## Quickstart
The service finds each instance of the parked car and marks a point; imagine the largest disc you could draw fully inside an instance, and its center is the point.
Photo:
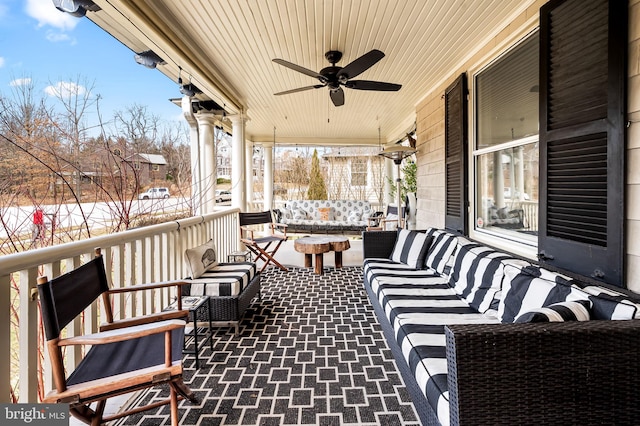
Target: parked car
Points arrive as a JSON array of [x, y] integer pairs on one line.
[[157, 192], [222, 195]]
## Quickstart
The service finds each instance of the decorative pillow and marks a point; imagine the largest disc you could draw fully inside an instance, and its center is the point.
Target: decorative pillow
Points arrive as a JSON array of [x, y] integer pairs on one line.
[[201, 258], [559, 312], [299, 214], [354, 215], [441, 250], [286, 213], [411, 248], [532, 287], [325, 213], [477, 274]]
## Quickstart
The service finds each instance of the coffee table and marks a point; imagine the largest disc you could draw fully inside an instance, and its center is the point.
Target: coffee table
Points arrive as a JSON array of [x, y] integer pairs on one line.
[[318, 246]]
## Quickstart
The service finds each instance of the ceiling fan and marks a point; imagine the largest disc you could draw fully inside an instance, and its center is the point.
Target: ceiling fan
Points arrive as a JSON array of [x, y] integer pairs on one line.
[[334, 77]]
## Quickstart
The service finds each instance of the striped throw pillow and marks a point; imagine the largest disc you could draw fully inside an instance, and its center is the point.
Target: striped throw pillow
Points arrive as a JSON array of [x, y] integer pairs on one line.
[[440, 250], [559, 312], [410, 248]]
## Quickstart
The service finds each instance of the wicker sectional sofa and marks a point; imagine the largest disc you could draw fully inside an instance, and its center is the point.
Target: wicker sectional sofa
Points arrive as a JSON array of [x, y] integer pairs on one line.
[[470, 329], [325, 216]]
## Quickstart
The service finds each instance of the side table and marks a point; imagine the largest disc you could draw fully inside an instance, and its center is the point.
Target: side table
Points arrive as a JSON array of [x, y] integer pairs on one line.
[[198, 307]]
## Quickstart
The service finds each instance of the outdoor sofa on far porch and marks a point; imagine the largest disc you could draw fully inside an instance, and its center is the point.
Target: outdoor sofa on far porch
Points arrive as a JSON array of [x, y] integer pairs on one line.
[[325, 216]]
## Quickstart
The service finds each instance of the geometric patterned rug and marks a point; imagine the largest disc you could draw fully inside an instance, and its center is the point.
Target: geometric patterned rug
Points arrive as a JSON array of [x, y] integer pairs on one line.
[[311, 352]]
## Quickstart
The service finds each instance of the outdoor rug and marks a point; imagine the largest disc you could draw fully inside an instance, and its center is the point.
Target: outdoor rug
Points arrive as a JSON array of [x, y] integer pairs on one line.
[[311, 352]]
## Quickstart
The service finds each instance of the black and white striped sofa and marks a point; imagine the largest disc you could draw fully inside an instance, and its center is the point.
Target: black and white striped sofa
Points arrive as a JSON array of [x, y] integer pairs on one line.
[[469, 328]]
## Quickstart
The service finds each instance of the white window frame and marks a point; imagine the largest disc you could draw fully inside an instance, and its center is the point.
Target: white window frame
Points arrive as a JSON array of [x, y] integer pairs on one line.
[[521, 245]]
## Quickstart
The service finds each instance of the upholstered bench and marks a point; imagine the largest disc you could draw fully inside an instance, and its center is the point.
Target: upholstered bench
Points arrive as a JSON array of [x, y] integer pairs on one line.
[[230, 286]]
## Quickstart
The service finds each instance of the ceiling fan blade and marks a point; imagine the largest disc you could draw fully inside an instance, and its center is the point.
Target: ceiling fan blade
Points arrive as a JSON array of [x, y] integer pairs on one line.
[[361, 64], [300, 89], [373, 85], [298, 68], [337, 96]]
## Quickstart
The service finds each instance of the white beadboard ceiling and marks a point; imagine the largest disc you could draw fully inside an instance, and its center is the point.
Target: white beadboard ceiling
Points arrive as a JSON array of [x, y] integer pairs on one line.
[[227, 47]]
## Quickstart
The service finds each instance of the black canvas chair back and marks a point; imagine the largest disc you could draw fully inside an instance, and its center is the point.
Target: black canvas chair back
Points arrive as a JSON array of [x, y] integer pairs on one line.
[[64, 298], [258, 218], [263, 245], [130, 355]]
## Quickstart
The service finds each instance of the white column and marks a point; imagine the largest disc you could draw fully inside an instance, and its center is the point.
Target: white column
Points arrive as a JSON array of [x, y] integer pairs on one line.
[[196, 179], [248, 176], [206, 124], [389, 168], [267, 186], [238, 188]]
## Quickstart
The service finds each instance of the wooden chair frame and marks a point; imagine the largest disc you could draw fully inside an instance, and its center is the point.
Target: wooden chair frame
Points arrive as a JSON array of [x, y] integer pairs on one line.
[[81, 395], [260, 245]]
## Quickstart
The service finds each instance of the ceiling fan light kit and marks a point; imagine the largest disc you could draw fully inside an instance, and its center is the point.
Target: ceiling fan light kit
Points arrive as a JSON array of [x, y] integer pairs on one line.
[[334, 77]]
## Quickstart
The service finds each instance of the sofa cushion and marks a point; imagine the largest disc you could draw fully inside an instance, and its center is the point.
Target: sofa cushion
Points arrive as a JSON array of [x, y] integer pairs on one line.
[[477, 274], [422, 340], [531, 287], [558, 312], [201, 258], [440, 250], [225, 279], [411, 248], [609, 304]]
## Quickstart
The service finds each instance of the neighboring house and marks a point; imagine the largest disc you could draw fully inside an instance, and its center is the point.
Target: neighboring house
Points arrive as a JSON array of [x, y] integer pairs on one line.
[[355, 173], [150, 168]]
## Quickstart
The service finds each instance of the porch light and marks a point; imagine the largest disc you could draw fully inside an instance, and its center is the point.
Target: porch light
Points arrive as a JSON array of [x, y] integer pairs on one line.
[[397, 153], [149, 59]]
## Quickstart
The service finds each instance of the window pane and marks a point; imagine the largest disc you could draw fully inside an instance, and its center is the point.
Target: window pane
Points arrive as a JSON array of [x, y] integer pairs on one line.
[[358, 172], [507, 97], [507, 190]]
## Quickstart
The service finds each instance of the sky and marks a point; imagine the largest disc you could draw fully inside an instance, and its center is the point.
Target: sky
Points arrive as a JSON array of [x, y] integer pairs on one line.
[[53, 48]]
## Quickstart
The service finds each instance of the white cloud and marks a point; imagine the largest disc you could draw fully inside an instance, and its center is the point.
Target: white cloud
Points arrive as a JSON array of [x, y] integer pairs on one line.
[[1, 62], [65, 89], [46, 14], [20, 82], [55, 37]]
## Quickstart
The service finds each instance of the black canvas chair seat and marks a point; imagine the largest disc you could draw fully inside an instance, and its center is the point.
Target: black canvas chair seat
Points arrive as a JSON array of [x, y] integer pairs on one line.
[[263, 246], [125, 356]]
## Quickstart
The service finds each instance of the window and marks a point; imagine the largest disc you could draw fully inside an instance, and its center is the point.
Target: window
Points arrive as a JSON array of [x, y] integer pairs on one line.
[[155, 167], [506, 154], [359, 172]]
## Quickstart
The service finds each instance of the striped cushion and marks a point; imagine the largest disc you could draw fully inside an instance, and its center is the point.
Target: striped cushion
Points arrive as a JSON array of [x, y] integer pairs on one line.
[[440, 250], [528, 288], [559, 312], [477, 274], [411, 248], [226, 279], [422, 340], [611, 305]]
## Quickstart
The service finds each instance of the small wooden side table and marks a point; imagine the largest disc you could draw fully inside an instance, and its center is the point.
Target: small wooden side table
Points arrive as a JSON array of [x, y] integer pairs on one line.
[[320, 245]]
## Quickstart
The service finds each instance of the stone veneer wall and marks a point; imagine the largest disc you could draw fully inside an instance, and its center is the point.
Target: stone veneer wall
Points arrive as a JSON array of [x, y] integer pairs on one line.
[[430, 132]]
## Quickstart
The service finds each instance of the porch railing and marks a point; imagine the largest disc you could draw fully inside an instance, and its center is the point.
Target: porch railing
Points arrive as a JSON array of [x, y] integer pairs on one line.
[[150, 254]]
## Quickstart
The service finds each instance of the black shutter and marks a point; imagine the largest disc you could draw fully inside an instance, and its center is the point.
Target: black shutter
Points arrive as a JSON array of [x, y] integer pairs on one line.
[[583, 46], [456, 192]]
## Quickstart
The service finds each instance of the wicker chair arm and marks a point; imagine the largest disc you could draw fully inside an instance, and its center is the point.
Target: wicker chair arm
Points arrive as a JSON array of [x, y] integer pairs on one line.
[[544, 373], [378, 244]]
